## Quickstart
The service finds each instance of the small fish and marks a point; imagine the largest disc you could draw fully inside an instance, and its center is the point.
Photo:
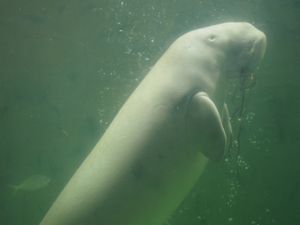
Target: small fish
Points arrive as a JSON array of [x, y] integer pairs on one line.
[[32, 183]]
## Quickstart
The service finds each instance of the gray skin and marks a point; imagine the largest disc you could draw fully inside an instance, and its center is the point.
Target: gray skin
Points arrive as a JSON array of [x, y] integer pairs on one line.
[[158, 144]]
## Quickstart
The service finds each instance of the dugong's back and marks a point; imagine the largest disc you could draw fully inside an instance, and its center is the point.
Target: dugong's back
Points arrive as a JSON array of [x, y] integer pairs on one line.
[[151, 155]]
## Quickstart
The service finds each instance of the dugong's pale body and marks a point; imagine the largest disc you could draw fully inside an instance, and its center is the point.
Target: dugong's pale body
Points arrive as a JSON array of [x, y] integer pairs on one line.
[[157, 146]]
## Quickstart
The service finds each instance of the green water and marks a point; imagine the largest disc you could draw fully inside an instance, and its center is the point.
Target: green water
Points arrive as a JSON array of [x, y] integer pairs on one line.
[[66, 67]]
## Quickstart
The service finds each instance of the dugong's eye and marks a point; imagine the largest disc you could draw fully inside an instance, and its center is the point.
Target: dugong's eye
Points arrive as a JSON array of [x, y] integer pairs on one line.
[[212, 37]]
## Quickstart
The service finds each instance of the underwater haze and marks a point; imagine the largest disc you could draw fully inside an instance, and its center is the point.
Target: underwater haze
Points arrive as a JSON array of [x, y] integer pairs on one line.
[[66, 68]]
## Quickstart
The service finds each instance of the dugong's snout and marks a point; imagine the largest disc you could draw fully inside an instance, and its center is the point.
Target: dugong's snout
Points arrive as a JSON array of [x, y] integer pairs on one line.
[[258, 48], [260, 44], [245, 48]]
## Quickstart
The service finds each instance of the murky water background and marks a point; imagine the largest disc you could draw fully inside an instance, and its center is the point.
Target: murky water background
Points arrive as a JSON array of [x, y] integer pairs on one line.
[[66, 67]]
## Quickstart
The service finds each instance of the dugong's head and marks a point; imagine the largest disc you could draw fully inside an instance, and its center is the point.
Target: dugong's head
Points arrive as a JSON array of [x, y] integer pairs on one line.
[[204, 59], [241, 47], [227, 50]]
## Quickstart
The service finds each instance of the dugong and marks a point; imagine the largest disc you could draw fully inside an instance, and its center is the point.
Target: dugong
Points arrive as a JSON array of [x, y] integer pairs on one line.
[[158, 144]]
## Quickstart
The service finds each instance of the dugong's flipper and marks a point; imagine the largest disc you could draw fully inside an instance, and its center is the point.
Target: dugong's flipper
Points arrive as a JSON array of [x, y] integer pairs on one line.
[[205, 124]]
